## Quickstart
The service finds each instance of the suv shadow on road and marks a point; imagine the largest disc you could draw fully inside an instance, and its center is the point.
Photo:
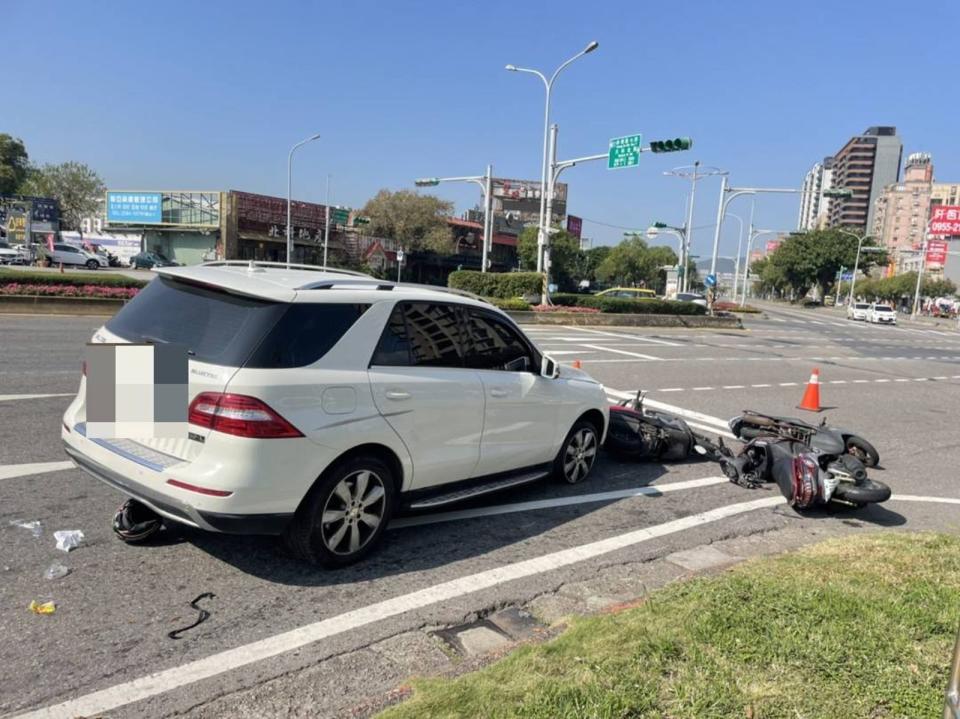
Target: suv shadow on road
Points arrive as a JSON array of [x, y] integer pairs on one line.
[[414, 549]]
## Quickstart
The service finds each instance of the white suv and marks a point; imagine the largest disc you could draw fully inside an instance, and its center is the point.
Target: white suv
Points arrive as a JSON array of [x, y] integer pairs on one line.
[[321, 402], [858, 311], [70, 255]]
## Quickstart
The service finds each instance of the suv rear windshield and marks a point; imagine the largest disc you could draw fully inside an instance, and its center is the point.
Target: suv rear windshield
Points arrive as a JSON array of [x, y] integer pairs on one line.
[[232, 330]]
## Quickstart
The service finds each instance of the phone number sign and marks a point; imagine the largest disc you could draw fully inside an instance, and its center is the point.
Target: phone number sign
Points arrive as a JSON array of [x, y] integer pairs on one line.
[[945, 220], [137, 208]]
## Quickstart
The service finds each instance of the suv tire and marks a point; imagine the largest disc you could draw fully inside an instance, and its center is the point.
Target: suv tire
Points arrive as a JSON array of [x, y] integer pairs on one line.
[[577, 454], [357, 498]]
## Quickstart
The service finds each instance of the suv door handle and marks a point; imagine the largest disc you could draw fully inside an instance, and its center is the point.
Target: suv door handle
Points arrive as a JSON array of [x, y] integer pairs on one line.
[[498, 392], [396, 394]]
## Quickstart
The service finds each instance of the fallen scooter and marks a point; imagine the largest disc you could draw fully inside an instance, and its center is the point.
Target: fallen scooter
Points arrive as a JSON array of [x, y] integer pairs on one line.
[[636, 432], [828, 440], [804, 475]]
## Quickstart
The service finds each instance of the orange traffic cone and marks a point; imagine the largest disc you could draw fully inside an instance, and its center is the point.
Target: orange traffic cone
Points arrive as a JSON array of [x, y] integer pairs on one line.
[[811, 397], [577, 364]]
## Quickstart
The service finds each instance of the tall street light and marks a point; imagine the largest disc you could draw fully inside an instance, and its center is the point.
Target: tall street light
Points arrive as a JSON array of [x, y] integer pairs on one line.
[[548, 85], [486, 187], [754, 234], [693, 173], [856, 264], [290, 190]]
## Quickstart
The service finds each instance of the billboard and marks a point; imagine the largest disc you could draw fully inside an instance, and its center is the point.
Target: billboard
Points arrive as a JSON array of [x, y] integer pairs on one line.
[[936, 252], [574, 225], [944, 220], [265, 215], [134, 208], [772, 245], [520, 199]]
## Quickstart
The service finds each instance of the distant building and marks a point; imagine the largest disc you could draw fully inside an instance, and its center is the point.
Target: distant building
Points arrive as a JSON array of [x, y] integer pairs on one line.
[[865, 165], [814, 207]]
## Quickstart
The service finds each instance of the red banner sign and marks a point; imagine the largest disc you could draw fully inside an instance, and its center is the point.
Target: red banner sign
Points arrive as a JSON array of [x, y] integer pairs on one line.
[[772, 245], [936, 252], [945, 220], [574, 225]]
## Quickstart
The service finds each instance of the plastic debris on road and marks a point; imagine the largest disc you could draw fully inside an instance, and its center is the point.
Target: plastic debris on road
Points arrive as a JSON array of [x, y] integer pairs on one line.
[[34, 526], [56, 571], [68, 539], [42, 608]]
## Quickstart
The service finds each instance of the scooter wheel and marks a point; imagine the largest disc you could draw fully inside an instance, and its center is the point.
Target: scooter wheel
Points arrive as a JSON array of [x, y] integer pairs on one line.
[[870, 492], [863, 450]]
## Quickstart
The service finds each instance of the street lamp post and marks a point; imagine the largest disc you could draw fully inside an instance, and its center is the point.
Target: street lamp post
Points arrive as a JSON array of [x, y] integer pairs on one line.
[[754, 234], [326, 224], [736, 264], [290, 190], [486, 187], [698, 173], [856, 264], [548, 85], [923, 264]]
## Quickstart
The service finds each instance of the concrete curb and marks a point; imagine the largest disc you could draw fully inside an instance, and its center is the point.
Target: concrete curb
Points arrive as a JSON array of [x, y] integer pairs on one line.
[[626, 320], [43, 305]]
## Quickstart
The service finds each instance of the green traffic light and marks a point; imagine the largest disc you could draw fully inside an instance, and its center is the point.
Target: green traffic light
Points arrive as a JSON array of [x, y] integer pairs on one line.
[[674, 145], [660, 225]]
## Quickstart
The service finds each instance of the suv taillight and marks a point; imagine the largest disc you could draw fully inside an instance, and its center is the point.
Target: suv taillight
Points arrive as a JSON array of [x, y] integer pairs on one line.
[[239, 415]]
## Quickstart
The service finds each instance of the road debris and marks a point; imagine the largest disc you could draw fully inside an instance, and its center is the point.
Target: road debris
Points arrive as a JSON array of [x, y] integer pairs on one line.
[[34, 526], [204, 615], [68, 539], [56, 571], [42, 608]]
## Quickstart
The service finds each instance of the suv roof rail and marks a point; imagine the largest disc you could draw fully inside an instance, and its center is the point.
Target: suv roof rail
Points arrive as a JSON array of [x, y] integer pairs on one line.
[[284, 266], [367, 281]]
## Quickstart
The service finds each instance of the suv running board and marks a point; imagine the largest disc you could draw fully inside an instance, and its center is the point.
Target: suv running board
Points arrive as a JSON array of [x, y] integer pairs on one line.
[[478, 490]]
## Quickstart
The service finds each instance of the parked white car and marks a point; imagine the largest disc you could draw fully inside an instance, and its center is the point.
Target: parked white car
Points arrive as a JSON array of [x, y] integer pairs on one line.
[[321, 401], [693, 297], [9, 255], [858, 311], [882, 314], [70, 255]]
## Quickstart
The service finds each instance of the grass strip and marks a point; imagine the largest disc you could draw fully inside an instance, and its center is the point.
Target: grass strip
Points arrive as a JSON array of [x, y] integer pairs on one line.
[[852, 627]]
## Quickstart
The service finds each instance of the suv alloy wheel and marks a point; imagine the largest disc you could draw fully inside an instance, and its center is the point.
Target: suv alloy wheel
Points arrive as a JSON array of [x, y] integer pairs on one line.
[[345, 514], [578, 453]]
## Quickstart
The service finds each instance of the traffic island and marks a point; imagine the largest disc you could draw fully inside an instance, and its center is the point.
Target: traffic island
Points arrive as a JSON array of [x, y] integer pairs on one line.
[[719, 321], [46, 305]]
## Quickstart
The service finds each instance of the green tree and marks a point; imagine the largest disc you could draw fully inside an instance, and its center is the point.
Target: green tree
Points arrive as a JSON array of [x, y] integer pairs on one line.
[[14, 164], [76, 186], [589, 261], [634, 263], [565, 256], [417, 222]]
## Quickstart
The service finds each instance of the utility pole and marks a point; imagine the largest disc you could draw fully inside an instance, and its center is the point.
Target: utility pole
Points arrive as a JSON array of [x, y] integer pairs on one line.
[[326, 225]]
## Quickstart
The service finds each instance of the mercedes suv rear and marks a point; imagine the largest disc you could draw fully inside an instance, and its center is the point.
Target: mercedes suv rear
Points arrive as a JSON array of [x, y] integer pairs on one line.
[[319, 402]]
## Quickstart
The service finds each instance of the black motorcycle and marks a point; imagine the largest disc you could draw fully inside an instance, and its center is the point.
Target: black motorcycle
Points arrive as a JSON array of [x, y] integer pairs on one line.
[[805, 476], [826, 439], [636, 432]]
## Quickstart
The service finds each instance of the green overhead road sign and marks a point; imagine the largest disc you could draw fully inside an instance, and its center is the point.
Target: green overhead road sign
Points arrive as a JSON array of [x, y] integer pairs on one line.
[[624, 152], [339, 216]]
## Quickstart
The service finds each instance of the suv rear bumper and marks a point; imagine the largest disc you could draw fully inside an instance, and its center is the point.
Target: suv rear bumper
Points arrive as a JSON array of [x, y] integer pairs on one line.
[[177, 511]]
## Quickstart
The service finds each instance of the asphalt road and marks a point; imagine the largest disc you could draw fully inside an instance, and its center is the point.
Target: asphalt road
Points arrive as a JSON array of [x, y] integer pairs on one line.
[[898, 386]]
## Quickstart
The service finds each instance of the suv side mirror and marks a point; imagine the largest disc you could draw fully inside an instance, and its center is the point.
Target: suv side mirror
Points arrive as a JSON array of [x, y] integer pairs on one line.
[[549, 368]]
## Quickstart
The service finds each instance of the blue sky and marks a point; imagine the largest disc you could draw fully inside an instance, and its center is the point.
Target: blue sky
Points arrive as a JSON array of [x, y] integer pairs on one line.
[[211, 95]]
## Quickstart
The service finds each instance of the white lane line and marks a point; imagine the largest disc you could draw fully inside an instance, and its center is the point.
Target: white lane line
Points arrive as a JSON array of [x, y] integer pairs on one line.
[[864, 381], [941, 377], [919, 379], [687, 414], [734, 386], [700, 389], [838, 381], [922, 498], [557, 353], [640, 338], [13, 397], [900, 379], [620, 352], [881, 380], [671, 389], [10, 471], [187, 673], [648, 491], [788, 384], [759, 385]]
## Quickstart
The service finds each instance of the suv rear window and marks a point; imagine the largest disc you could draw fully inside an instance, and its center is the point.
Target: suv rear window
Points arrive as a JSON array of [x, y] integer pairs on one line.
[[232, 330]]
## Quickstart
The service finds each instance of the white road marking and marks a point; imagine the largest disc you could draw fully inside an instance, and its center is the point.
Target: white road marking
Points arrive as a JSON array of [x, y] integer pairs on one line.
[[671, 389], [557, 353], [11, 471], [838, 381], [788, 384], [922, 498], [733, 386], [648, 491], [759, 385], [13, 397], [687, 414], [184, 674], [628, 336], [621, 352], [701, 389]]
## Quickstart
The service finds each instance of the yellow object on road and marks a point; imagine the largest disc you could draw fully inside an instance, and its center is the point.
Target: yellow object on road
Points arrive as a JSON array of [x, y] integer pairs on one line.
[[44, 608]]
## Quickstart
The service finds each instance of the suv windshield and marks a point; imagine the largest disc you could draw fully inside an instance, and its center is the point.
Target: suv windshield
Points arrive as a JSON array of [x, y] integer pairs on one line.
[[883, 308], [861, 306]]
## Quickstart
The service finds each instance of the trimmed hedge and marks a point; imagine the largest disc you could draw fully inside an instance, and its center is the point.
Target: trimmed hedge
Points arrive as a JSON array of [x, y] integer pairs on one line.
[[75, 279], [497, 284], [617, 305], [514, 304]]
